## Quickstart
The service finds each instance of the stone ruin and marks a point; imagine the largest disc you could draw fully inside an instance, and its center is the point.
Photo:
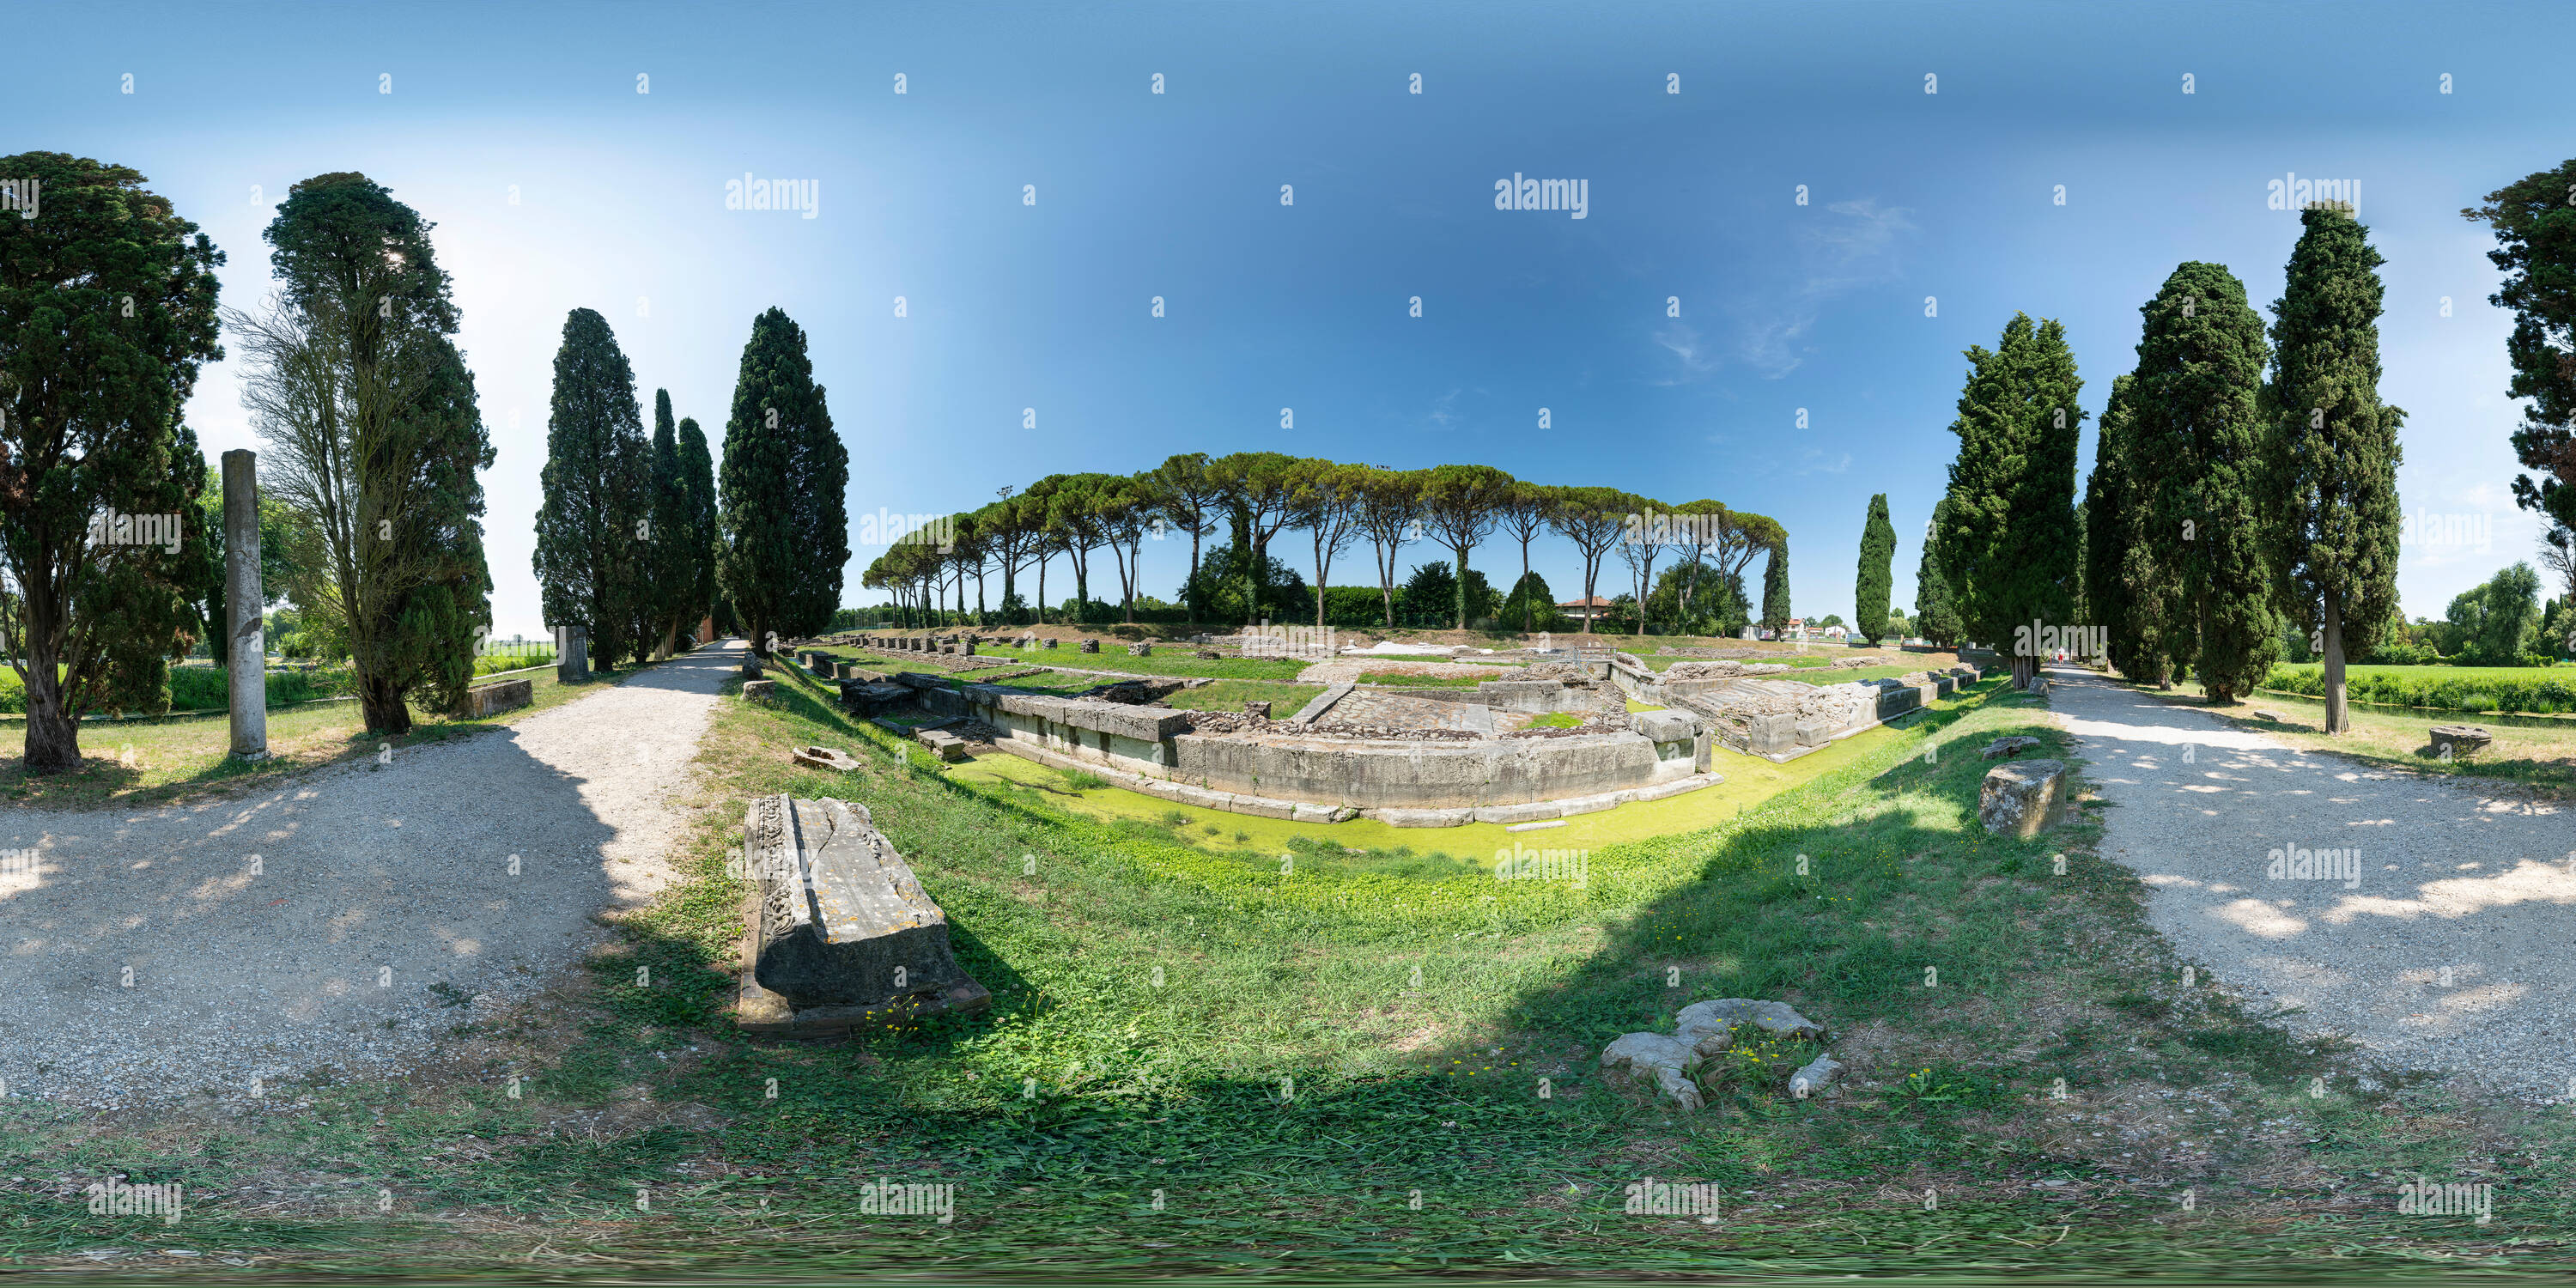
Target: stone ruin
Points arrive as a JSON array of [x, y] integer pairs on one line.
[[842, 934], [1781, 720]]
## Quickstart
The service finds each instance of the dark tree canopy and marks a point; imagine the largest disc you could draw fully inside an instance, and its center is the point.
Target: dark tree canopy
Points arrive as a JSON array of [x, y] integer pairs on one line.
[[2007, 536], [1877, 571], [2330, 492], [2197, 443], [784, 484], [593, 555], [2535, 229], [107, 313]]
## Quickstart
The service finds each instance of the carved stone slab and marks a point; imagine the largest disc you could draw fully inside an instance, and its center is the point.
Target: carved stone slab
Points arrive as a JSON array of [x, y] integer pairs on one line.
[[842, 929]]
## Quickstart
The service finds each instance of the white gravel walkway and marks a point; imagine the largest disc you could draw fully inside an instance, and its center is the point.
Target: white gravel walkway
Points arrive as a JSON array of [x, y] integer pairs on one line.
[[152, 956], [2443, 944]]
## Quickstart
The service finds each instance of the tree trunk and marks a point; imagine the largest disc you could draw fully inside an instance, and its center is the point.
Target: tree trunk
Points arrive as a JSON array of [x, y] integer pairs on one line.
[[382, 708], [2338, 710], [1195, 524], [1462, 588], [2024, 667], [53, 731], [1524, 587], [670, 641]]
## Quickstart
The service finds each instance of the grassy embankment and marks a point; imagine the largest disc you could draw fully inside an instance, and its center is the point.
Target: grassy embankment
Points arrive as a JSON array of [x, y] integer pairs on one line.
[[1258, 1048], [158, 760], [2538, 752]]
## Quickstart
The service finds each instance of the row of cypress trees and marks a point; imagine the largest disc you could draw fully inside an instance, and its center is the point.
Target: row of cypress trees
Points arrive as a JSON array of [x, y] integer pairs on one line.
[[637, 539], [2240, 479], [2226, 498]]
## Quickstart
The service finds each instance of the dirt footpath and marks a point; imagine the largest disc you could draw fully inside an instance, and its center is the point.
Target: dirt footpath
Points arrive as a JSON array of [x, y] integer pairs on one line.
[[342, 918], [2432, 921]]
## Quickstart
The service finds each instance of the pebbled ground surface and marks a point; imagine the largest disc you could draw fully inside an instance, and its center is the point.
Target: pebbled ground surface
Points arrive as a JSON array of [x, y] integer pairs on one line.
[[342, 919], [2441, 946]]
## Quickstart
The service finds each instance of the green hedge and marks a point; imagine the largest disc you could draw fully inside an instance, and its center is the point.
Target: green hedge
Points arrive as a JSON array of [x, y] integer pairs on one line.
[[2541, 692], [203, 688]]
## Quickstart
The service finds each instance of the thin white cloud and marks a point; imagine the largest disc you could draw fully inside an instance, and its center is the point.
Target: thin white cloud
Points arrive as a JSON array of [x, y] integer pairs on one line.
[[1846, 246]]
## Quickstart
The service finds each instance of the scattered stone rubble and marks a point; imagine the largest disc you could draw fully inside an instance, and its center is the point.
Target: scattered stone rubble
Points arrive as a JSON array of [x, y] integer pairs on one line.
[[1703, 1031]]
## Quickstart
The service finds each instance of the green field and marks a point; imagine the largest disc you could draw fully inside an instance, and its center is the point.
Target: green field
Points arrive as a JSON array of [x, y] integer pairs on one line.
[[176, 758], [1256, 1049], [2469, 689]]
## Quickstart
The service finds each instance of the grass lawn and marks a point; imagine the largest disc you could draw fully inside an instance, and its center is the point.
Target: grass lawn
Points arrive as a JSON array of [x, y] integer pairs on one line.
[[2538, 751], [159, 761], [1334, 1050]]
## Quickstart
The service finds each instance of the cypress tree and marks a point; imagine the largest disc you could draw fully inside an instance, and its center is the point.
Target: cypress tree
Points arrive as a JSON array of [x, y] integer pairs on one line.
[[1877, 574], [107, 313], [2333, 448], [2198, 427], [674, 548], [784, 511], [2008, 537], [1775, 587], [1936, 615], [698, 485], [383, 478], [2120, 586], [594, 529]]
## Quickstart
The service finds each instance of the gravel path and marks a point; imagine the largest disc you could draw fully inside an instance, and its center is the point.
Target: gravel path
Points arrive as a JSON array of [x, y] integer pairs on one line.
[[2442, 945], [153, 956]]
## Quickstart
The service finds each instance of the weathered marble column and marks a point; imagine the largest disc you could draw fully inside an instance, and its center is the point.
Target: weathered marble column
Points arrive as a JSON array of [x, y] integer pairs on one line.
[[245, 644]]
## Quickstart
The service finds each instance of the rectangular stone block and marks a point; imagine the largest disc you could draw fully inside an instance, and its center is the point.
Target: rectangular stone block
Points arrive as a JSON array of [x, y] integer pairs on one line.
[[1530, 813], [873, 699], [1666, 726], [842, 919], [1815, 731], [489, 698], [1771, 735], [1263, 807], [1050, 642], [1674, 788], [1144, 724], [1426, 817], [1032, 707], [759, 690]]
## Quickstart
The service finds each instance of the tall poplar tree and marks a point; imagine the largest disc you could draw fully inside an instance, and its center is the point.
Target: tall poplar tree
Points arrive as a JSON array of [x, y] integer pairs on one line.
[[2198, 427], [1877, 571], [2123, 588], [784, 490], [594, 528], [2007, 537], [2332, 486], [677, 547], [706, 536], [1776, 611], [1936, 616]]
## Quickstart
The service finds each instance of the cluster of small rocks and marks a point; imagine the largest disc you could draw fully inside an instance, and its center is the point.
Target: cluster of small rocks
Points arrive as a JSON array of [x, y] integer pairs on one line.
[[1704, 1031]]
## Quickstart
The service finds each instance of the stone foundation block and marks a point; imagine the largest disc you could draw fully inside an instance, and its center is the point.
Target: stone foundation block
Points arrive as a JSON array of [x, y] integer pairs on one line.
[[2023, 797]]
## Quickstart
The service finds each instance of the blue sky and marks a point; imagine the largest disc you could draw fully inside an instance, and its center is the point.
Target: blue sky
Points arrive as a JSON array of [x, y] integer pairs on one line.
[[620, 207]]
